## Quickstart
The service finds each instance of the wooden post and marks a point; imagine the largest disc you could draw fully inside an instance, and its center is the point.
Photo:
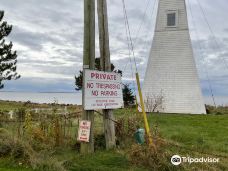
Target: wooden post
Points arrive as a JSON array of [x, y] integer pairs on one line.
[[109, 125], [88, 63]]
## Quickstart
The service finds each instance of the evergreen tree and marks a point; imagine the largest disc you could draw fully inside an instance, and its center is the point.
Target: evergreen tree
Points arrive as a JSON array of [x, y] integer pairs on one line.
[[128, 95], [78, 81], [8, 58]]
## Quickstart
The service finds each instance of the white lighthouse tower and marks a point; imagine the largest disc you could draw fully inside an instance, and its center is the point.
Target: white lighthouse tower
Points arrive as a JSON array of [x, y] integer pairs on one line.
[[171, 74]]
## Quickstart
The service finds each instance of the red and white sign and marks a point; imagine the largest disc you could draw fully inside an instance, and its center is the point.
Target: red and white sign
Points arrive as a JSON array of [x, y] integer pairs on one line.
[[84, 131], [103, 90]]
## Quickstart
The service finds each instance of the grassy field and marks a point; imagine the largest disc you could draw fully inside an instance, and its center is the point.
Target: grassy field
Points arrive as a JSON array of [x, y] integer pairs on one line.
[[185, 135], [13, 106], [206, 133], [193, 135], [196, 136]]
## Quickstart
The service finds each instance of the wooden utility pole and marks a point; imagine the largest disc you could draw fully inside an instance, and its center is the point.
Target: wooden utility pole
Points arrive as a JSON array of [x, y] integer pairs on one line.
[[109, 127], [88, 63]]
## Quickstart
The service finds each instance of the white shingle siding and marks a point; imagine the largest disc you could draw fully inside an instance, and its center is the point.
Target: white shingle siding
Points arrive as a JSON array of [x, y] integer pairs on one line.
[[171, 66]]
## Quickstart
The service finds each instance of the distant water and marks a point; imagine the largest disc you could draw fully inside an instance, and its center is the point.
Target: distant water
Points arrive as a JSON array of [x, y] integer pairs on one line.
[[61, 98], [73, 98]]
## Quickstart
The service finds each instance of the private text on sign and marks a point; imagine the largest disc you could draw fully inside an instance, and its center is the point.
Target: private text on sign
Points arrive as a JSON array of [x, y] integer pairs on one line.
[[103, 90]]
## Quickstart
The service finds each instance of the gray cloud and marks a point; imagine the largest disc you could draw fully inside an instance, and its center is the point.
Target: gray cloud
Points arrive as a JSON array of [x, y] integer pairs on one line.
[[48, 35], [33, 40]]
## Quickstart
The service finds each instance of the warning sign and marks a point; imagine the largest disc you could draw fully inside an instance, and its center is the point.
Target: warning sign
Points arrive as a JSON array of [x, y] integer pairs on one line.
[[103, 90], [84, 131]]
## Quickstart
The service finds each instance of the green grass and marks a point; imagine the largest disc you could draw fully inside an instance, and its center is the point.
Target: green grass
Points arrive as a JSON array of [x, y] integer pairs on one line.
[[100, 161], [12, 106], [208, 132], [8, 106], [199, 132], [192, 135], [6, 164]]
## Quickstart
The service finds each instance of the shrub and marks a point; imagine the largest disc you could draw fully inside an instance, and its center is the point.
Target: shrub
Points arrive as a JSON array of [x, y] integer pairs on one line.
[[151, 158], [5, 149], [23, 152], [125, 129], [76, 146], [99, 142], [4, 115], [5, 145], [218, 113], [20, 113]]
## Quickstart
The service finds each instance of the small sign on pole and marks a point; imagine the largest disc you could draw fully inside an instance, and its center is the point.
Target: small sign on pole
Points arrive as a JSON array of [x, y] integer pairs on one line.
[[103, 90], [84, 131]]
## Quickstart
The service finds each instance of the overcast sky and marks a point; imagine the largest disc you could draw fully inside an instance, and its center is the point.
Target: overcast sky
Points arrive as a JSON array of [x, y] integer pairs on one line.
[[48, 37]]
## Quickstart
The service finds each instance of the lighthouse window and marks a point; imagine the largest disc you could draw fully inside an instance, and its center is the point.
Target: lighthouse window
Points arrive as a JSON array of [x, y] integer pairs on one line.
[[171, 19]]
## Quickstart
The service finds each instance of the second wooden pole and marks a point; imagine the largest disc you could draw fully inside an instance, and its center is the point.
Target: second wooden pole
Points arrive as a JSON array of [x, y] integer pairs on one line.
[[109, 125]]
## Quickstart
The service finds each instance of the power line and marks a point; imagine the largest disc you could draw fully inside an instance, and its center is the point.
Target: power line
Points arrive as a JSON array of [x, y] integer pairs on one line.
[[142, 21], [204, 59], [210, 28], [129, 55], [128, 44], [148, 42], [129, 38], [129, 33]]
